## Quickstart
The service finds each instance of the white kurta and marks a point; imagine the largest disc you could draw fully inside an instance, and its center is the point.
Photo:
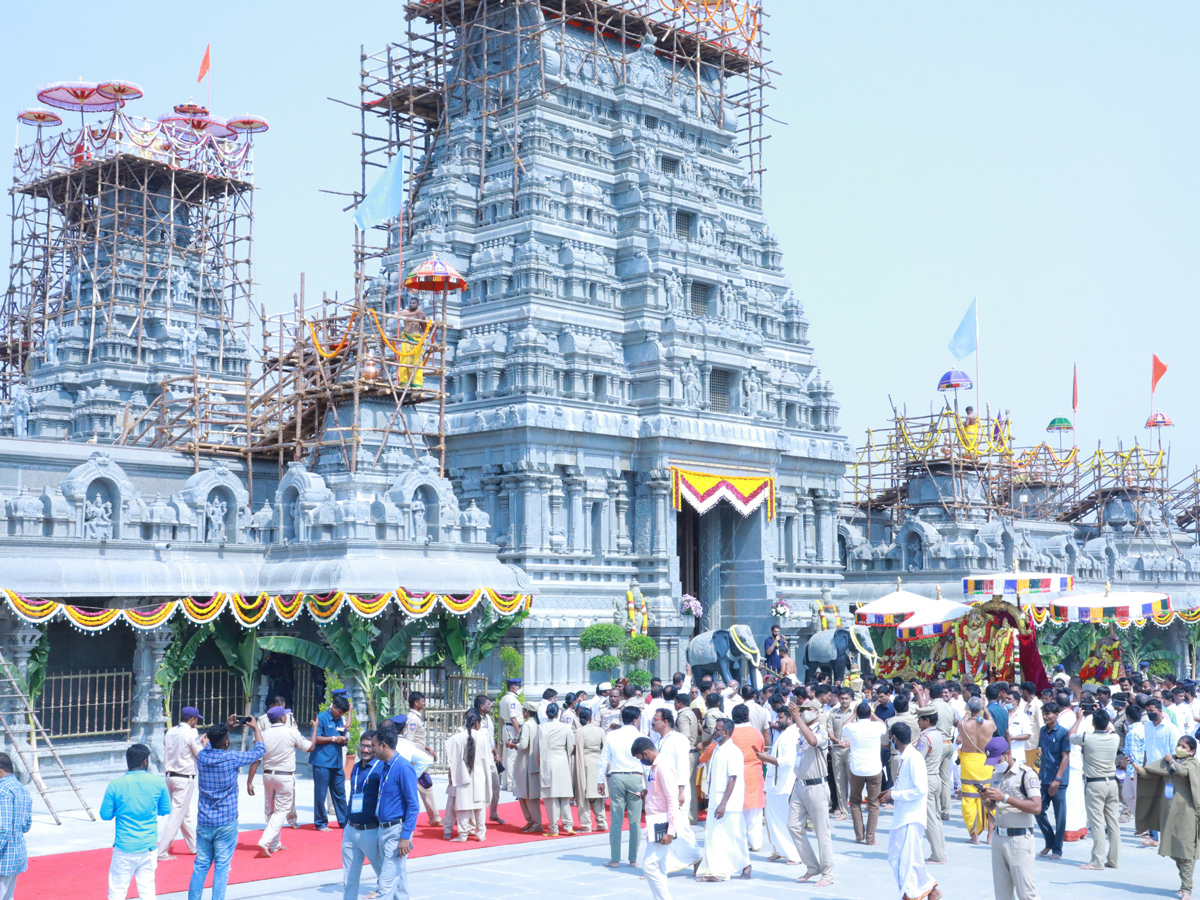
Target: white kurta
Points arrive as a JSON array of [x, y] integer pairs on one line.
[[725, 850], [780, 780], [906, 841]]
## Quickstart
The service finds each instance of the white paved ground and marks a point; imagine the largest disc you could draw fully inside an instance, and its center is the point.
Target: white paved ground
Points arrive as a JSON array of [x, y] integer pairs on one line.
[[573, 867]]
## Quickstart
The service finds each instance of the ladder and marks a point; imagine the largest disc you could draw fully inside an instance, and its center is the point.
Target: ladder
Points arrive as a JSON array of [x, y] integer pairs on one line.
[[10, 689]]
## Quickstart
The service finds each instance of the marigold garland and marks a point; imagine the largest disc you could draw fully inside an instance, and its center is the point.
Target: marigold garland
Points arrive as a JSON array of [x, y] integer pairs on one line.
[[250, 613]]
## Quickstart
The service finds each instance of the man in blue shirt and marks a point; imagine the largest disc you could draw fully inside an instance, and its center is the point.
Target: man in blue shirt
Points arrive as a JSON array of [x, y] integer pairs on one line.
[[135, 800], [1055, 745], [996, 709], [217, 822], [326, 761], [361, 837], [397, 814], [16, 818], [773, 647]]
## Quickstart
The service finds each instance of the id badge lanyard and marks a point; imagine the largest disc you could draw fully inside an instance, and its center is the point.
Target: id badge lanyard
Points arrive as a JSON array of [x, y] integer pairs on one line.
[[357, 786]]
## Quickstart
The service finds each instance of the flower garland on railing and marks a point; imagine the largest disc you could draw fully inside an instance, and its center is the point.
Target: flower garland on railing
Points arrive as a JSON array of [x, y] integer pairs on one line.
[[250, 612]]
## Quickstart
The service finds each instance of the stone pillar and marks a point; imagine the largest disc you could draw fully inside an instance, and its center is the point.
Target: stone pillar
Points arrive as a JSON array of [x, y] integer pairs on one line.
[[491, 505], [20, 639], [808, 530], [660, 494], [558, 527], [827, 509], [528, 528], [148, 721], [576, 542], [624, 544]]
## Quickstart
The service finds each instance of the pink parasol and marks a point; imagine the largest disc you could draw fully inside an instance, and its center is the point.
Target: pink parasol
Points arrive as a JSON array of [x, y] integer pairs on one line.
[[190, 122], [120, 91], [248, 124], [435, 275], [83, 96], [39, 117]]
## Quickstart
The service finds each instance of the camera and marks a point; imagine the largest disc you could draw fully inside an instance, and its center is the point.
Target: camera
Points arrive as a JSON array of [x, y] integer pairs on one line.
[[245, 720]]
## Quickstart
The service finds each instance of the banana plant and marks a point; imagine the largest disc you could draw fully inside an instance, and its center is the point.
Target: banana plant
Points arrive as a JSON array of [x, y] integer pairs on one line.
[[469, 647], [1140, 645], [179, 656], [242, 651], [354, 652], [1193, 639], [1057, 643]]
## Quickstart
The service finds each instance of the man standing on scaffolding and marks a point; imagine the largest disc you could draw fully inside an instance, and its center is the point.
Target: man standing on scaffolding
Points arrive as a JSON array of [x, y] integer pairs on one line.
[[412, 340]]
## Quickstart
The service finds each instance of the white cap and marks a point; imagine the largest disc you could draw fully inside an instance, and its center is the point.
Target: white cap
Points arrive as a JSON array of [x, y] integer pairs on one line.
[[605, 686]]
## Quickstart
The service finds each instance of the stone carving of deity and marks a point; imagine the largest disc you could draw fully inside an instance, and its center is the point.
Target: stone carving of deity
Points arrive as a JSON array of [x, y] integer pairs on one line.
[[295, 510], [674, 286], [50, 339], [215, 513], [707, 233], [191, 341], [420, 527], [753, 389], [97, 519], [662, 221], [690, 377], [20, 406]]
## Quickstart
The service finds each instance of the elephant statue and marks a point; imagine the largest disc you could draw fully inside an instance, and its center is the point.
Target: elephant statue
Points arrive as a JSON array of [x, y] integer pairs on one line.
[[830, 651], [722, 655]]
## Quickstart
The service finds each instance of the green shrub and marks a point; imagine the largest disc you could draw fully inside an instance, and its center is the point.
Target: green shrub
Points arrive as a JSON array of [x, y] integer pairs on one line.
[[602, 636], [605, 662], [513, 662], [639, 677], [638, 648]]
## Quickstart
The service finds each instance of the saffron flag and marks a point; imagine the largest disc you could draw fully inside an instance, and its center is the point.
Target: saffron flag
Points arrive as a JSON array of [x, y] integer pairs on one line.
[[1075, 388], [966, 339], [386, 199], [205, 64], [1158, 369]]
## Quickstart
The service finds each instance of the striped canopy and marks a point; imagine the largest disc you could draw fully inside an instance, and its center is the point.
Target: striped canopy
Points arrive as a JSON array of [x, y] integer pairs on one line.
[[1111, 606], [1159, 420], [1015, 584], [936, 618], [435, 275], [36, 116], [891, 609], [81, 96]]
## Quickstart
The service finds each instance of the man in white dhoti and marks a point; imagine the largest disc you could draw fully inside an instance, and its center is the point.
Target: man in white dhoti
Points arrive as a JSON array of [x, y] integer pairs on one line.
[[725, 850], [906, 852], [676, 848], [781, 775]]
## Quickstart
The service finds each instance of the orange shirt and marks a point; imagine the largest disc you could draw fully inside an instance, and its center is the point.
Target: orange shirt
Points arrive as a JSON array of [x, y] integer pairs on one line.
[[749, 741]]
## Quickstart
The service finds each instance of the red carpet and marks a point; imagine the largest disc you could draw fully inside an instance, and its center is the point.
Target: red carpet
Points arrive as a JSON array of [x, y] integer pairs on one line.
[[84, 873]]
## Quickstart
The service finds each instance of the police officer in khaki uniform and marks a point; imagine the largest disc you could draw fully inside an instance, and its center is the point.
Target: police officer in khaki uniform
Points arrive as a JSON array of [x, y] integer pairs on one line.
[[839, 753], [810, 795], [1014, 796], [932, 746]]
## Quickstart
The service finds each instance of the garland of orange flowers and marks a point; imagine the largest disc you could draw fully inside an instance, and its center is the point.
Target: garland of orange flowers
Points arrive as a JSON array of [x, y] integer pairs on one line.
[[251, 613]]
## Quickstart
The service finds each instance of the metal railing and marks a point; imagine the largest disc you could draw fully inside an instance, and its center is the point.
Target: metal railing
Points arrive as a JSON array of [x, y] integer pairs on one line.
[[441, 690], [86, 704], [214, 690], [440, 725]]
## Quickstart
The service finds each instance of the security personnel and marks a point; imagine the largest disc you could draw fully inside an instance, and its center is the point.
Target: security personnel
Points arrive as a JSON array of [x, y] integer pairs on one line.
[[810, 795], [510, 730], [1014, 796], [932, 745]]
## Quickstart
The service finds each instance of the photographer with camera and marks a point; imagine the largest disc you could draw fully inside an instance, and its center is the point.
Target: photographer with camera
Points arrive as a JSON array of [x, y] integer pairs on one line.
[[217, 822]]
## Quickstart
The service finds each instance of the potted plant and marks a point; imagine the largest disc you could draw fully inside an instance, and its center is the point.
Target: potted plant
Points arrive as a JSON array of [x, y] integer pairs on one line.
[[637, 649], [602, 636]]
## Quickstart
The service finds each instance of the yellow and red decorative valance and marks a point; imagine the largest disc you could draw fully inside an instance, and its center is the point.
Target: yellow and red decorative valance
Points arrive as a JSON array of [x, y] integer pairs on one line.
[[250, 611], [704, 490]]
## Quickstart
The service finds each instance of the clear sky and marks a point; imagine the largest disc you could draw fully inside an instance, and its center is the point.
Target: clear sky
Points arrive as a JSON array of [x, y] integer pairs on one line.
[[1040, 157]]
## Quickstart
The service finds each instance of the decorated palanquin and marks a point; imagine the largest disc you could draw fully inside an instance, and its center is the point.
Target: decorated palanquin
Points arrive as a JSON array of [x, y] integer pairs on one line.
[[987, 641], [896, 662], [1103, 664]]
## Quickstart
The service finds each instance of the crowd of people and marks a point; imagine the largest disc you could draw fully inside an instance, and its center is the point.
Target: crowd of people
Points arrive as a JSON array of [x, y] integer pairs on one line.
[[765, 769]]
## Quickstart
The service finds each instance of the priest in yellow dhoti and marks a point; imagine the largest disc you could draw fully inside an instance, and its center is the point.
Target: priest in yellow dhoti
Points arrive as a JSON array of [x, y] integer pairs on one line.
[[976, 729]]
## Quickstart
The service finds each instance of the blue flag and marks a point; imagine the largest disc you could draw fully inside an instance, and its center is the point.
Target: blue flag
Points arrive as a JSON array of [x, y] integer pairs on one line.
[[966, 339], [386, 199]]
